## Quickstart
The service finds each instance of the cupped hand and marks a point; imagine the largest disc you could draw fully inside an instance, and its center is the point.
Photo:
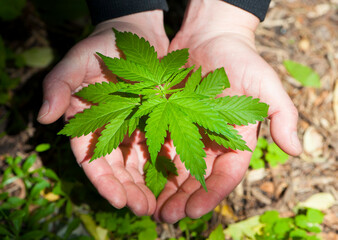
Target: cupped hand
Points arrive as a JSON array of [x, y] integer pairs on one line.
[[226, 41], [118, 176]]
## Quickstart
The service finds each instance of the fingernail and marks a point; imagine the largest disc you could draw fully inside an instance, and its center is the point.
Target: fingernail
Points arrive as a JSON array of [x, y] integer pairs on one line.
[[43, 110], [295, 141]]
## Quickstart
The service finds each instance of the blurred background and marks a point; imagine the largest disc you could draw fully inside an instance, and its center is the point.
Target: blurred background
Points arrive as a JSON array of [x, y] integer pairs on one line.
[[45, 195]]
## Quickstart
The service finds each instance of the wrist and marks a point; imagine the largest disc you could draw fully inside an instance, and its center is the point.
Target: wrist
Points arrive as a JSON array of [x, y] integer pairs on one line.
[[216, 16], [140, 23]]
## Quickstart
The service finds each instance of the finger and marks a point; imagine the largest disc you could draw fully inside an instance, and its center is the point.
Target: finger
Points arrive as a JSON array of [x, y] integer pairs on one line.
[[99, 172], [140, 199], [171, 187], [58, 87], [227, 171], [284, 116], [174, 208], [283, 128]]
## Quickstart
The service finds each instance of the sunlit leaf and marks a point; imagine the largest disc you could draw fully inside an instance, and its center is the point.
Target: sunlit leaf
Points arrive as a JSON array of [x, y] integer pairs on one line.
[[304, 74], [42, 147], [38, 57]]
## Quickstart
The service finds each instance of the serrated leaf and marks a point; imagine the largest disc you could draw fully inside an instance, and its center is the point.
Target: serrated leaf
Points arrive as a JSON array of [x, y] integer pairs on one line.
[[133, 122], [172, 62], [137, 50], [156, 129], [148, 105], [178, 77], [304, 74], [241, 110], [101, 93], [128, 70], [137, 88], [155, 179], [167, 165], [193, 81], [93, 118], [201, 113], [214, 83], [111, 136], [188, 143], [233, 143]]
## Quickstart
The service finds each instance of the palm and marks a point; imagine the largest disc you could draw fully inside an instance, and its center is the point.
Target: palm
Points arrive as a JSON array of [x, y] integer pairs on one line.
[[117, 176], [247, 72]]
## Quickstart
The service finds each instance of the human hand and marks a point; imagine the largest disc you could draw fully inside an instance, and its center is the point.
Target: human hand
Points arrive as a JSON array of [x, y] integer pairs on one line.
[[117, 176], [221, 35]]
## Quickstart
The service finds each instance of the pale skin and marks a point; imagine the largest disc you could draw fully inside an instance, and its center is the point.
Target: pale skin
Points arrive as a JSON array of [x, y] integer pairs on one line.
[[217, 35]]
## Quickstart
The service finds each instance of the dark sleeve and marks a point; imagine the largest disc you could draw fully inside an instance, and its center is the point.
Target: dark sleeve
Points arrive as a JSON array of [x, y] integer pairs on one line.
[[256, 7], [101, 10]]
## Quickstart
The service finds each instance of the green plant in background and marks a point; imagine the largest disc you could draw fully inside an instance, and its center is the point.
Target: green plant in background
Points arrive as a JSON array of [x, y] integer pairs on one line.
[[152, 100], [127, 226], [304, 225], [217, 233], [303, 74], [6, 82], [11, 9], [193, 228], [46, 210], [267, 153]]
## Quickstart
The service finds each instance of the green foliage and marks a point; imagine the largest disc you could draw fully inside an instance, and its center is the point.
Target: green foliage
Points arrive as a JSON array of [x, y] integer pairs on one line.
[[43, 206], [157, 174], [245, 229], [270, 226], [267, 152], [150, 96], [11, 9], [42, 147], [217, 234], [304, 225], [193, 228], [6, 82], [119, 225], [38, 57], [304, 74]]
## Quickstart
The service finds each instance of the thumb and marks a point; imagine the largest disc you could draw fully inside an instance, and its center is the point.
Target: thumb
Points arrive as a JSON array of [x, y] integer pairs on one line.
[[58, 86], [284, 116]]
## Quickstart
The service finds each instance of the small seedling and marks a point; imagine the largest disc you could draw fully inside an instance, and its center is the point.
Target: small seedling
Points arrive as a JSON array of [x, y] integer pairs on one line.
[[304, 225], [153, 97], [303, 74], [267, 152]]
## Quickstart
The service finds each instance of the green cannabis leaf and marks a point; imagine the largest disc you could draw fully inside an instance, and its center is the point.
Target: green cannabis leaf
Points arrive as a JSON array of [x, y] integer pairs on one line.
[[153, 93]]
